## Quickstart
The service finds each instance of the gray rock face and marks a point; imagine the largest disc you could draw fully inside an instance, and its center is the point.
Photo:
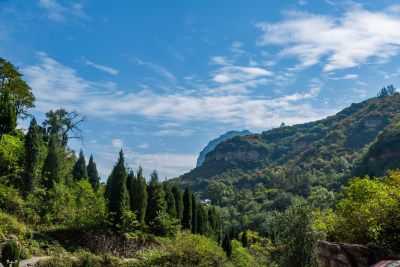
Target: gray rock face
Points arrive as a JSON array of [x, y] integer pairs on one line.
[[212, 144]]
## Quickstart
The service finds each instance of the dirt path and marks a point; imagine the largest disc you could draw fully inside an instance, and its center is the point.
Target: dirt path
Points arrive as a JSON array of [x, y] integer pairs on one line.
[[31, 261]]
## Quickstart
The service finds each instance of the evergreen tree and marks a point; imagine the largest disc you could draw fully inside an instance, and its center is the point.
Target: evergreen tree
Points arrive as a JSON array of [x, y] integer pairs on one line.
[[234, 234], [79, 171], [187, 209], [8, 115], [10, 251], [51, 168], [214, 223], [244, 240], [178, 200], [94, 178], [194, 214], [202, 219], [227, 245], [138, 195], [32, 149], [170, 200], [118, 192], [156, 197]]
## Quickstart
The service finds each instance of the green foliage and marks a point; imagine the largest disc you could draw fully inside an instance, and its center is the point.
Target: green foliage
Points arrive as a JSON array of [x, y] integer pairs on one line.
[[32, 153], [241, 256], [369, 212], [194, 214], [10, 251], [190, 250], [244, 240], [94, 178], [138, 196], [10, 225], [11, 83], [156, 198], [132, 224], [8, 116], [293, 233], [164, 225], [187, 209], [11, 160], [118, 192], [387, 91], [51, 168], [79, 171]]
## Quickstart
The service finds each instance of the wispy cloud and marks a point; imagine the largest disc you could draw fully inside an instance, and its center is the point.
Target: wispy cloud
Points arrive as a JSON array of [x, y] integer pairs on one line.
[[117, 143], [347, 41], [60, 13], [232, 73], [103, 68], [173, 132], [346, 77], [158, 69]]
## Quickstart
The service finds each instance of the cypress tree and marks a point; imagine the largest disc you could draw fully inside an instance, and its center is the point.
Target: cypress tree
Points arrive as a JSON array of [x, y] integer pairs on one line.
[[170, 200], [138, 196], [202, 219], [187, 209], [227, 245], [234, 234], [244, 240], [8, 115], [178, 200], [51, 167], [156, 197], [93, 175], [194, 214], [118, 192], [32, 148], [214, 223], [79, 171]]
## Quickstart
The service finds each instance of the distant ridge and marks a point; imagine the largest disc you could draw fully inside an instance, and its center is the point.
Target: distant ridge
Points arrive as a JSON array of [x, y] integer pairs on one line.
[[212, 144]]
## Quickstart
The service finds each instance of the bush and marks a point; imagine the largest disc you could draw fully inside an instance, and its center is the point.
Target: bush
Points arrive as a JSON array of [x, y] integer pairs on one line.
[[190, 250], [164, 225], [10, 252], [10, 225], [240, 255]]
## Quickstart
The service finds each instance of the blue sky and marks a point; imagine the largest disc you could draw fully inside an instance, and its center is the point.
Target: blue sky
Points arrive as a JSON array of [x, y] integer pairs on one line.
[[160, 79]]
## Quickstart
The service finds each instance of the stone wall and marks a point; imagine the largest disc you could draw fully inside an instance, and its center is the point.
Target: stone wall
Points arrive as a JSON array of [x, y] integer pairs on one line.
[[350, 255]]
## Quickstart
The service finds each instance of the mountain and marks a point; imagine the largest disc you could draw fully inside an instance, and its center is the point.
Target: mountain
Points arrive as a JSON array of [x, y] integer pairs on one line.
[[310, 146], [212, 144]]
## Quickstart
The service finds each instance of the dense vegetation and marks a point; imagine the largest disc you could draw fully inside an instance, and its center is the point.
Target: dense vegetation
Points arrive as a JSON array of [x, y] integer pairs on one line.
[[269, 208]]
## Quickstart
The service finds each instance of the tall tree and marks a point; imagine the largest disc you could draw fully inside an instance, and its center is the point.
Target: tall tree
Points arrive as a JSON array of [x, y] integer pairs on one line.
[[244, 240], [138, 196], [194, 214], [227, 245], [178, 200], [214, 222], [8, 116], [79, 171], [64, 124], [169, 199], [156, 197], [187, 209], [51, 167], [202, 219], [32, 148], [20, 93], [94, 178], [118, 191]]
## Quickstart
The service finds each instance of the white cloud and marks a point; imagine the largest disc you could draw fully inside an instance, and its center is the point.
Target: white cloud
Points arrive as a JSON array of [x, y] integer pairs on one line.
[[62, 13], [347, 41], [236, 48], [221, 61], [144, 145], [346, 77], [56, 85], [117, 143], [232, 73], [157, 69], [103, 68], [172, 132]]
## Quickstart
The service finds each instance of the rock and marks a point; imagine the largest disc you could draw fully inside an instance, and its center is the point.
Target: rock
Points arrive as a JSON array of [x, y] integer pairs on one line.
[[351, 255]]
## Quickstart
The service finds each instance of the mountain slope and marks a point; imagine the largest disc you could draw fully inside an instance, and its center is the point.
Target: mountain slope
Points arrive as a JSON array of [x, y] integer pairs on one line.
[[213, 143], [312, 145]]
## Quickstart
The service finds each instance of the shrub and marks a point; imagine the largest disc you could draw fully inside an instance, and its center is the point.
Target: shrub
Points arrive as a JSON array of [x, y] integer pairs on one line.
[[10, 252]]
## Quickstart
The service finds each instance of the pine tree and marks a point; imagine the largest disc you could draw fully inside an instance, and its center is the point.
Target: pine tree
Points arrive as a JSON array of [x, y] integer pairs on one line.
[[178, 200], [156, 197], [227, 245], [93, 175], [32, 149], [187, 209], [118, 192], [170, 200], [79, 171], [244, 240], [8, 115], [214, 223], [202, 219], [194, 214], [234, 234], [138, 196], [51, 167]]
